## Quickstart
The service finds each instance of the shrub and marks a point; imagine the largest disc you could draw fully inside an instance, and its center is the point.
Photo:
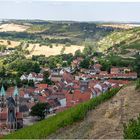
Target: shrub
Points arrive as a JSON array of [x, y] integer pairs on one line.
[[44, 128], [138, 84], [132, 129]]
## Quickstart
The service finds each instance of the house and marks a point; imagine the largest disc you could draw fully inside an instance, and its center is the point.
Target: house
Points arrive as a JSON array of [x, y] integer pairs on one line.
[[97, 67], [103, 73], [56, 78], [56, 71], [67, 77], [40, 88], [23, 77], [54, 105], [98, 86], [76, 96], [117, 70], [95, 92], [76, 62], [32, 76]]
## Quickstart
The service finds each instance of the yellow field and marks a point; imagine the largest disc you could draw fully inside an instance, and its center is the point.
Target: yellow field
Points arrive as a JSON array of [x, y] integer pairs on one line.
[[44, 50], [13, 27], [55, 50], [12, 43]]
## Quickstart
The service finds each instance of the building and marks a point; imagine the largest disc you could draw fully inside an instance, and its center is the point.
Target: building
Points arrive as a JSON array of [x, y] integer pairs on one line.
[[10, 115]]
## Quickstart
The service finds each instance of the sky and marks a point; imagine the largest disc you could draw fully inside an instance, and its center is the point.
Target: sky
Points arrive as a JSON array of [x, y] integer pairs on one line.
[[70, 10]]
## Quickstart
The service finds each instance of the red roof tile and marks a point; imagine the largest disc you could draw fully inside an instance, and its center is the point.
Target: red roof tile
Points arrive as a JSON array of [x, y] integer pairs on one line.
[[77, 97]]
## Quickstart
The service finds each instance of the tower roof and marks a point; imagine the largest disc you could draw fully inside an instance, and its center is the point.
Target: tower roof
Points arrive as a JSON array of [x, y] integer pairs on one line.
[[16, 92], [2, 92]]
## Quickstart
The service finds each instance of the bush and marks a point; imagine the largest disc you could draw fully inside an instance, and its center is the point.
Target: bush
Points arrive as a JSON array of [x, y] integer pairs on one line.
[[46, 127], [132, 129], [138, 84]]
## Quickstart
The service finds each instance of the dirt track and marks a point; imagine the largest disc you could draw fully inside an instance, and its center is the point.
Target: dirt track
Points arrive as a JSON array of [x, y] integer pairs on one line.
[[106, 121]]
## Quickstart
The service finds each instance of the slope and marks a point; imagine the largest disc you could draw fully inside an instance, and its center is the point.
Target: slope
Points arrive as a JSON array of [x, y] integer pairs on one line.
[[106, 121], [126, 43]]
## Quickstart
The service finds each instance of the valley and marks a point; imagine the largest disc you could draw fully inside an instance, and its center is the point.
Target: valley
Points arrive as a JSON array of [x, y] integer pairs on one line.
[[77, 78]]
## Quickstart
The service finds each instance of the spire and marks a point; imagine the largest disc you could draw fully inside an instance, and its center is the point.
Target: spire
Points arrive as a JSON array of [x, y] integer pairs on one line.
[[2, 92], [16, 93]]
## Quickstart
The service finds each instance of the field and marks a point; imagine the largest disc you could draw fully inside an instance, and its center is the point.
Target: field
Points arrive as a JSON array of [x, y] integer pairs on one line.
[[11, 45], [36, 49], [55, 50], [11, 27]]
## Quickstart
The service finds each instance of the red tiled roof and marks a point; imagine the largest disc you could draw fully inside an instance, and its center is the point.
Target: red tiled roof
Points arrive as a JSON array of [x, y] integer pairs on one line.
[[42, 99], [42, 86], [77, 97]]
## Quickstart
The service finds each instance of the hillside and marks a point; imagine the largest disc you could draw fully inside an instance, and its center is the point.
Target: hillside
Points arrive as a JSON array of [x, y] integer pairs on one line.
[[125, 43], [106, 121], [40, 31]]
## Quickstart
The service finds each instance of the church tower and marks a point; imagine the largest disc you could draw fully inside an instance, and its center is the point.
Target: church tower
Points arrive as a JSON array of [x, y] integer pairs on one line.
[[16, 97]]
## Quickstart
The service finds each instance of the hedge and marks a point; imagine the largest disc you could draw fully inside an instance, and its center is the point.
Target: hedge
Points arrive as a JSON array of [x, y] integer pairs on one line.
[[44, 128]]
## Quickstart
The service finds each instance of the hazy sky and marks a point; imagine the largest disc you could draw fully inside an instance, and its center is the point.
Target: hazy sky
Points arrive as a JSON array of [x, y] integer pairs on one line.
[[79, 11]]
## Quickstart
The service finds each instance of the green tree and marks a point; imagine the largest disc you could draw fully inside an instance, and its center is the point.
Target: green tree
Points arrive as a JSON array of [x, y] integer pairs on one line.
[[40, 109], [31, 83], [90, 48], [46, 79], [62, 50], [78, 53], [137, 65], [68, 44], [8, 42], [85, 63]]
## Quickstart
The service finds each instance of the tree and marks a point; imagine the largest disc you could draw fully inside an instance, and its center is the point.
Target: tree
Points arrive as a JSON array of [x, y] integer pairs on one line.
[[85, 63], [62, 50], [25, 65], [46, 79], [8, 42], [40, 109], [31, 83], [51, 46], [137, 65], [78, 53], [90, 48], [68, 44]]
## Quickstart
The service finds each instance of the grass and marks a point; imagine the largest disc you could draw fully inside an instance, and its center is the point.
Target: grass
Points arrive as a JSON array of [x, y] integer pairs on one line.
[[46, 127]]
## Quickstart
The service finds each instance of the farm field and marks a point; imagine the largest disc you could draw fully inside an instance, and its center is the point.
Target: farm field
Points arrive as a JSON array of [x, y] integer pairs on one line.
[[13, 28], [55, 50], [36, 49]]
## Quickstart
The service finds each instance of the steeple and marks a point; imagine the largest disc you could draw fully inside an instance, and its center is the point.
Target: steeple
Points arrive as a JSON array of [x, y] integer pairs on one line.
[[2, 97], [16, 97], [16, 92], [2, 92]]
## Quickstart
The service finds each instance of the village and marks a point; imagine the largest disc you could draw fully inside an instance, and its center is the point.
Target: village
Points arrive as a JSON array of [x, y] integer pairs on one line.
[[69, 89]]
